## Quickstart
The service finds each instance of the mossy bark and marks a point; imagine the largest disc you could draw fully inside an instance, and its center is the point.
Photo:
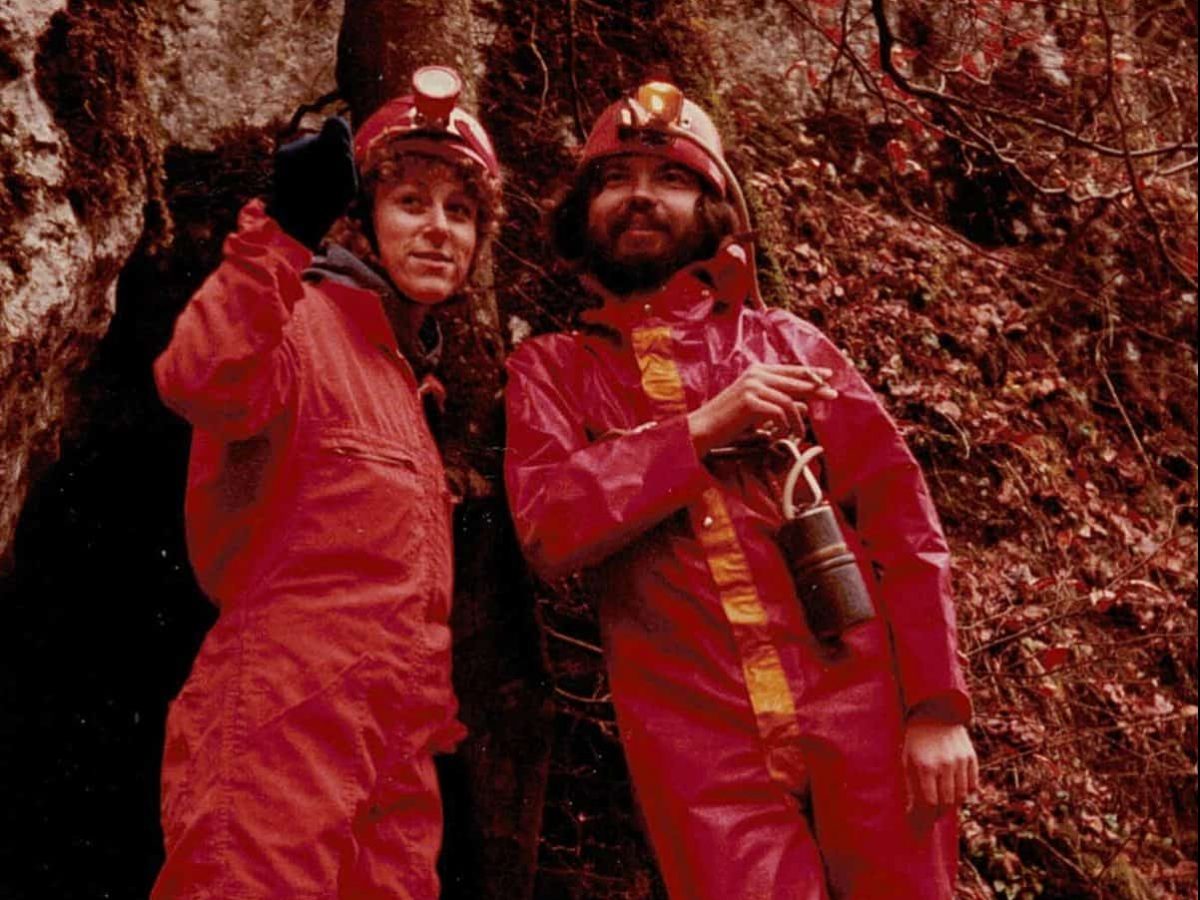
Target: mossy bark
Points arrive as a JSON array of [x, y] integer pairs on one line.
[[493, 785]]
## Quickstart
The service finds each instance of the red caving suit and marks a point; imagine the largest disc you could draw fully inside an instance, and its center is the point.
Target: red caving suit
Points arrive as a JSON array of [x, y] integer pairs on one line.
[[298, 758], [766, 767]]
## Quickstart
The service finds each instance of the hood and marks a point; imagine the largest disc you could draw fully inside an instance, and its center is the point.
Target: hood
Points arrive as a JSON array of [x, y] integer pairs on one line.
[[337, 264]]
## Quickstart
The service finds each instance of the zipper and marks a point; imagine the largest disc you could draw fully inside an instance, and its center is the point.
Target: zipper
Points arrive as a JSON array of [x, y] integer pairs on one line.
[[375, 456]]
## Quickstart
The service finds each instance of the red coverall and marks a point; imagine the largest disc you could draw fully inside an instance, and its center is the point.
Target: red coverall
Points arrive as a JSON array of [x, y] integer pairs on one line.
[[735, 722], [298, 755]]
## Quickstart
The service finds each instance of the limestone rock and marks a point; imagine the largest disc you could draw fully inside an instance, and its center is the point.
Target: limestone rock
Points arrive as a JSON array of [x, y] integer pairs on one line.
[[244, 63], [92, 94]]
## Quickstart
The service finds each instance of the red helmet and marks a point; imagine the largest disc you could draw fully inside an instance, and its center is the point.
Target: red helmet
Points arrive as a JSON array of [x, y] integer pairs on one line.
[[429, 121], [629, 126]]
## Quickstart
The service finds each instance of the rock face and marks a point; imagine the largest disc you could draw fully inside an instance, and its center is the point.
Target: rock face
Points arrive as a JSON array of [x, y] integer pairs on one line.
[[92, 96], [56, 274], [246, 64]]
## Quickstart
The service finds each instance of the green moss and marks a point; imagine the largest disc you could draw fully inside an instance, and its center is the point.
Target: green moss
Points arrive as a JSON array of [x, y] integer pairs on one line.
[[90, 70]]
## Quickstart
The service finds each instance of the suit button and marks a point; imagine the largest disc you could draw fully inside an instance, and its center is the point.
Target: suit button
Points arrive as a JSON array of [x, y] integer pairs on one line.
[[708, 522]]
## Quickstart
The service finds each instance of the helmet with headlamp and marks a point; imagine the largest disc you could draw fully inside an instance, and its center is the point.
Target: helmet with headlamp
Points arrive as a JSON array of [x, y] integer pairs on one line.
[[659, 121], [429, 120]]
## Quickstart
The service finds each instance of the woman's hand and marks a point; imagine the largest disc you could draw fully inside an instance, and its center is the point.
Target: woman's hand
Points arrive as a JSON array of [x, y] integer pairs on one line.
[[761, 394]]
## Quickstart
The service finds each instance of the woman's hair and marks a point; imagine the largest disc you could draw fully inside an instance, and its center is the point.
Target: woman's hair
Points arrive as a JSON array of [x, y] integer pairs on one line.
[[568, 216], [355, 231]]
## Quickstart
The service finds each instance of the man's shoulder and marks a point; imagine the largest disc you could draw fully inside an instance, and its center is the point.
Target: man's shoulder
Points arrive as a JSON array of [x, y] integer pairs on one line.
[[777, 317], [554, 346], [789, 326]]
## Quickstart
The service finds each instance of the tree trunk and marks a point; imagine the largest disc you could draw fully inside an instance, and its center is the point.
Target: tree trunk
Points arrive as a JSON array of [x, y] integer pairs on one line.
[[493, 785]]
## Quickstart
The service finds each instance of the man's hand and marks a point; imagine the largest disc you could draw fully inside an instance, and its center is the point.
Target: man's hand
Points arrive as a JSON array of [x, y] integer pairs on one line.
[[763, 393], [313, 182], [939, 764]]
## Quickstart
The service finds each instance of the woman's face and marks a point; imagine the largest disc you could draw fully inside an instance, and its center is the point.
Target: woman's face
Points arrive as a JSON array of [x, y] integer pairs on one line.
[[426, 229]]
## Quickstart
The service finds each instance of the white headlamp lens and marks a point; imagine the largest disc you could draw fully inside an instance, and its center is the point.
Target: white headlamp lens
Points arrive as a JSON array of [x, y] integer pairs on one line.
[[436, 83]]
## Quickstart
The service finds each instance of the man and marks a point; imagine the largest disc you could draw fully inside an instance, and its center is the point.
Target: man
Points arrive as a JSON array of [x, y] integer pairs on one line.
[[767, 764], [298, 759]]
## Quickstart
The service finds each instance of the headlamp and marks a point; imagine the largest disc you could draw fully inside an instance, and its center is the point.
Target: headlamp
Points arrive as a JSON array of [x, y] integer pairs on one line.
[[662, 100], [435, 91]]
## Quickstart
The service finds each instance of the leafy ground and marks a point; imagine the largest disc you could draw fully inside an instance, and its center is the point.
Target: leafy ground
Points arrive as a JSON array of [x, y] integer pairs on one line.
[[1049, 390]]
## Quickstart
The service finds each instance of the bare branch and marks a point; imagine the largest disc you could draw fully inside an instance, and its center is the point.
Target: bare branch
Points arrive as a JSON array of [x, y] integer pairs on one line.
[[1134, 179], [887, 42]]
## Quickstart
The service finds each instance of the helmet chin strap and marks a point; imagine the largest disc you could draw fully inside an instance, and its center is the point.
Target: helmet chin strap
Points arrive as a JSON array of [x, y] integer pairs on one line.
[[636, 117]]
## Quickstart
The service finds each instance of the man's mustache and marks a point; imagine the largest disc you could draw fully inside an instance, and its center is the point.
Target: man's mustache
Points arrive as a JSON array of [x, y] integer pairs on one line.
[[646, 215]]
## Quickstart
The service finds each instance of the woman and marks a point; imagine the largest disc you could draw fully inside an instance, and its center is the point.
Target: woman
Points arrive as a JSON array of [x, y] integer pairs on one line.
[[298, 759]]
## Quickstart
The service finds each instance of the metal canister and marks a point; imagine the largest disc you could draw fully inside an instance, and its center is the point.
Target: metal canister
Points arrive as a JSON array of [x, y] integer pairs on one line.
[[829, 583]]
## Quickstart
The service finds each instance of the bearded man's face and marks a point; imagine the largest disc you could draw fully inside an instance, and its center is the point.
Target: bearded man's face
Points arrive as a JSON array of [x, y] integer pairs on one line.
[[642, 224]]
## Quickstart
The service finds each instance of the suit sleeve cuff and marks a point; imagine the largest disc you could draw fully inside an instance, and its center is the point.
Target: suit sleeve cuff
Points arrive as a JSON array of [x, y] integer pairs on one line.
[[259, 231], [948, 707]]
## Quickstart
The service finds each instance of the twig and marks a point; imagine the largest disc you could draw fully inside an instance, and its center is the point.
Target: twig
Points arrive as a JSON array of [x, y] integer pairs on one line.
[[578, 698], [580, 131], [1180, 167], [541, 62], [1125, 415], [1133, 832], [1024, 632], [843, 49], [887, 41], [566, 638], [1066, 861], [1131, 172], [1143, 560], [1095, 660], [980, 884], [1077, 734]]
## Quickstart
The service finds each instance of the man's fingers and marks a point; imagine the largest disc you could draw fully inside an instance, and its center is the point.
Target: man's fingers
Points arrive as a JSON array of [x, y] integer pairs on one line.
[[791, 373], [777, 407], [767, 393], [817, 373], [797, 386], [958, 783], [911, 788], [966, 774], [928, 782], [932, 784], [946, 788], [942, 761], [965, 769]]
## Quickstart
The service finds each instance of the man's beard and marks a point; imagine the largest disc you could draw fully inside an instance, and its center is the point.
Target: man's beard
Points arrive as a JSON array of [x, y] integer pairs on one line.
[[625, 274]]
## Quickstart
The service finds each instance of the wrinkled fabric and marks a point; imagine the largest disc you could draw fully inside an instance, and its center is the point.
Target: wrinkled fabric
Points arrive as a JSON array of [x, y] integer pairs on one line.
[[298, 754], [766, 764]]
